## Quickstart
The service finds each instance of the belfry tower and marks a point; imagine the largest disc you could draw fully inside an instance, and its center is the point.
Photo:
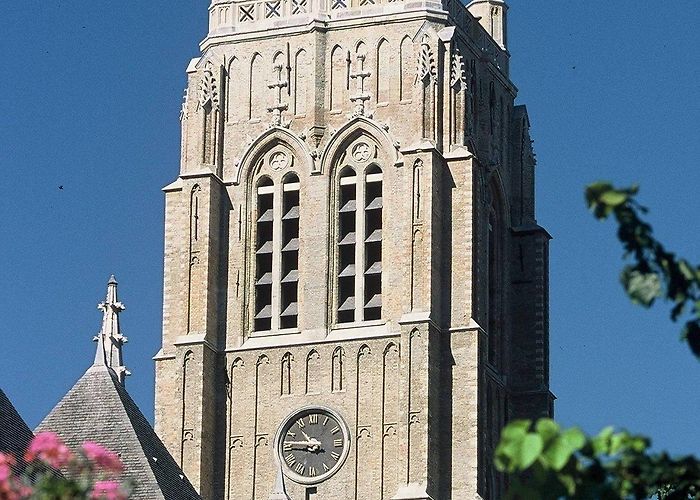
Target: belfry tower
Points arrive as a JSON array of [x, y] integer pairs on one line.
[[356, 289]]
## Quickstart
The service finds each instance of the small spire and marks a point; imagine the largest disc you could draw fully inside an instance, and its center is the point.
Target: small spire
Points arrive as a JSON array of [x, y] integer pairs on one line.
[[100, 351], [110, 339]]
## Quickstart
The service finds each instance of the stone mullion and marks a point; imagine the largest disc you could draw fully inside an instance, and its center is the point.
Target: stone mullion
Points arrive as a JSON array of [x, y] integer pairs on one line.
[[360, 246], [276, 256]]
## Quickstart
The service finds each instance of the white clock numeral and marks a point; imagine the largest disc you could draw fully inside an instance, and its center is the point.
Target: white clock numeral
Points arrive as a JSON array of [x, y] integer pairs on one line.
[[335, 456], [312, 472], [313, 418], [291, 434], [290, 459], [287, 447], [338, 443], [335, 430], [325, 421], [299, 468], [325, 467], [301, 423]]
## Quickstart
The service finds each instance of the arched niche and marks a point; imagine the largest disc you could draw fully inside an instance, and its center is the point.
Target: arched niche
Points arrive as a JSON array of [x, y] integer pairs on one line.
[[349, 133], [280, 140]]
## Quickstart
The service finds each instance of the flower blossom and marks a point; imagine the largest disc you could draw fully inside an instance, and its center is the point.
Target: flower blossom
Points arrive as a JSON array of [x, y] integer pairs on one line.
[[10, 487], [107, 490], [103, 458], [48, 447], [6, 463]]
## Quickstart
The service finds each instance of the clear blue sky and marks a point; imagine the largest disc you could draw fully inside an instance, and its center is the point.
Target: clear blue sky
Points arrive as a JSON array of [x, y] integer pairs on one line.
[[89, 99]]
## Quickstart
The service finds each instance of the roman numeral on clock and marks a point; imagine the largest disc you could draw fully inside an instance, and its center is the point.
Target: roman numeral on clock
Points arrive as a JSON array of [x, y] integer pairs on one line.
[[287, 447], [325, 468], [335, 430], [335, 456], [301, 423], [299, 468], [312, 472], [289, 458], [338, 443], [313, 418], [325, 420]]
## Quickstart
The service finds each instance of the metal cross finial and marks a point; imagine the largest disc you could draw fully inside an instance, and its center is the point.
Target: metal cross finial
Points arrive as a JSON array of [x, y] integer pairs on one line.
[[279, 106], [359, 99]]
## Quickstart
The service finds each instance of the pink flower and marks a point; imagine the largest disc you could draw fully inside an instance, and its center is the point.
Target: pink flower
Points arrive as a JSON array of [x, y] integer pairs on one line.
[[6, 463], [102, 457], [48, 447], [107, 490]]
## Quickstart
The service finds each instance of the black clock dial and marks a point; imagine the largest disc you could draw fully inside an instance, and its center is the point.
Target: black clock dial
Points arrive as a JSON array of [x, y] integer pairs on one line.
[[312, 444]]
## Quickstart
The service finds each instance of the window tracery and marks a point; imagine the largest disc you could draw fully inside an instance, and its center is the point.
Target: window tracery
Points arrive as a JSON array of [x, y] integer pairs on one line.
[[276, 243], [359, 210]]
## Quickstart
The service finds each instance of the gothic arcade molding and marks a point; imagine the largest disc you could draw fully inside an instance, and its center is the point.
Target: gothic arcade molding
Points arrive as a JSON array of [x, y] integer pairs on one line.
[[263, 143]]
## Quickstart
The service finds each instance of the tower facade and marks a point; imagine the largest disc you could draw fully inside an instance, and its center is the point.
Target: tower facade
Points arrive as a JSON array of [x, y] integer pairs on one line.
[[356, 289]]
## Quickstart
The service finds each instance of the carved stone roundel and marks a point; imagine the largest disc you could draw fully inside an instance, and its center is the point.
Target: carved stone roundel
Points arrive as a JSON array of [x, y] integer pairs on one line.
[[279, 161], [361, 152]]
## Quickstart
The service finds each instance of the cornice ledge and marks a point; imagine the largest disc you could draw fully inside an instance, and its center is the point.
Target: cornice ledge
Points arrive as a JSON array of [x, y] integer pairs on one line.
[[472, 326], [161, 356], [530, 229], [459, 153], [176, 185], [198, 174], [423, 146], [194, 339]]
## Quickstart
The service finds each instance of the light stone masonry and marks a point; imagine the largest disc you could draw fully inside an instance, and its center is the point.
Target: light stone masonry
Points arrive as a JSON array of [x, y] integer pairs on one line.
[[352, 233]]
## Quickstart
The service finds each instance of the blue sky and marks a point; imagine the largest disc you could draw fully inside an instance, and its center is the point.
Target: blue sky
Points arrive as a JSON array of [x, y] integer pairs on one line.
[[89, 100]]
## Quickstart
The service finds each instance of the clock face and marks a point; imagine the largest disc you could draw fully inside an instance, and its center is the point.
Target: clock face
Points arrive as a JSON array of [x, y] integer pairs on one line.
[[312, 444]]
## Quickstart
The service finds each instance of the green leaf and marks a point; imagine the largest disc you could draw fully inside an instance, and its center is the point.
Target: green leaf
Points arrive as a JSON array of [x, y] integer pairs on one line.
[[530, 450], [574, 437], [560, 450], [642, 288], [548, 429], [613, 198], [516, 429]]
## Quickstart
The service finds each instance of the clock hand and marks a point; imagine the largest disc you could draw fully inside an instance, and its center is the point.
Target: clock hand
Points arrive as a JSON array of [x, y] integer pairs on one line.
[[303, 445], [306, 435]]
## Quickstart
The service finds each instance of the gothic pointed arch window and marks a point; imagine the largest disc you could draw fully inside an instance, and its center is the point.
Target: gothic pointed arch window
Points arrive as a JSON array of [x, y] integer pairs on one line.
[[290, 252], [274, 247], [359, 220], [347, 241], [495, 267], [264, 249], [373, 243]]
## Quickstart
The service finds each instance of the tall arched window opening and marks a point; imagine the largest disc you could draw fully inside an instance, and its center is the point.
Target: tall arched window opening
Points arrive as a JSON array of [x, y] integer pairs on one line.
[[493, 287], [264, 249], [373, 244], [359, 239], [347, 225], [290, 252]]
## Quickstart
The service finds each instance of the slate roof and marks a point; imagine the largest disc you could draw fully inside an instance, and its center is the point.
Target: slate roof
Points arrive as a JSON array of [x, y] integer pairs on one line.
[[99, 409], [15, 435]]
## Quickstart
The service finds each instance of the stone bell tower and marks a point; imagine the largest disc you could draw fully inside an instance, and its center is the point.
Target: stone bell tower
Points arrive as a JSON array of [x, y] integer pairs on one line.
[[356, 288]]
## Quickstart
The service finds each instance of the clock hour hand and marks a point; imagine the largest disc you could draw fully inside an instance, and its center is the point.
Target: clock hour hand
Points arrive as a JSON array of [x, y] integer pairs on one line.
[[299, 445]]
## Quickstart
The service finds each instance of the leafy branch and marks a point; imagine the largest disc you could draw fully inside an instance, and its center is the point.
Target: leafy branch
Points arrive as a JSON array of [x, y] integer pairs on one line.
[[548, 463], [654, 271]]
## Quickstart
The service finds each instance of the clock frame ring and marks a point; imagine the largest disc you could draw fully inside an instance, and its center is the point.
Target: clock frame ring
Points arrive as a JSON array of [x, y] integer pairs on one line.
[[289, 421]]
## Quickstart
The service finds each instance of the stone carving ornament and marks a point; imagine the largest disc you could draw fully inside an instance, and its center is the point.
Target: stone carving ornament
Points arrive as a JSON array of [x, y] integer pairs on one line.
[[208, 89], [361, 152], [279, 161]]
